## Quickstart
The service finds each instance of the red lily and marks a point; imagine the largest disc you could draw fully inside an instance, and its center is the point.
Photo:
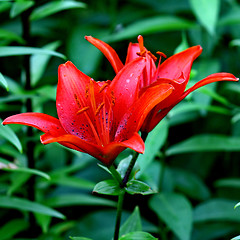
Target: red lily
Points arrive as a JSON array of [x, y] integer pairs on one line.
[[174, 70], [99, 118]]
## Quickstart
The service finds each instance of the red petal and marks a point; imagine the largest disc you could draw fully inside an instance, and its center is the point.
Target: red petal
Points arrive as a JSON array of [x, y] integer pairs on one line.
[[133, 49], [71, 98], [133, 119], [216, 77], [125, 86], [106, 154], [179, 65], [41, 121], [211, 78], [108, 51]]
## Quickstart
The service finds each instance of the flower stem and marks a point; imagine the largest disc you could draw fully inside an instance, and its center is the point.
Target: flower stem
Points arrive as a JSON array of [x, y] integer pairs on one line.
[[132, 163], [119, 214]]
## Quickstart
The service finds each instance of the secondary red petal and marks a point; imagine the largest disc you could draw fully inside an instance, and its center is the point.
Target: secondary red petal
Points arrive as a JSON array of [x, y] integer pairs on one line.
[[133, 119], [216, 77], [133, 49], [71, 98], [179, 65], [155, 119], [41, 121], [108, 51], [124, 87]]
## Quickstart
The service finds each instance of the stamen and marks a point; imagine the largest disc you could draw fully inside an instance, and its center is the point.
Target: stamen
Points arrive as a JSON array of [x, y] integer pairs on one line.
[[87, 91], [112, 98], [152, 56], [103, 87], [77, 100], [82, 110], [161, 54], [141, 45], [99, 108]]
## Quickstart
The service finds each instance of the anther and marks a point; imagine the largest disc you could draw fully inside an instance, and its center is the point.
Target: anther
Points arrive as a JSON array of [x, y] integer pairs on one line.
[[103, 87], [82, 110], [113, 98], [152, 56], [161, 54], [77, 100], [99, 108], [87, 91]]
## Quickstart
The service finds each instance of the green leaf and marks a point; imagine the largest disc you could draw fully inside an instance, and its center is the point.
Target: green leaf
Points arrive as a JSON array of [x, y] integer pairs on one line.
[[207, 13], [206, 143], [10, 36], [7, 133], [78, 199], [190, 184], [138, 236], [80, 238], [176, 211], [54, 7], [123, 166], [216, 210], [155, 140], [138, 187], [3, 81], [19, 7], [15, 51], [26, 205], [39, 62], [152, 25], [229, 182], [11, 167], [12, 227], [237, 205], [236, 238], [132, 224], [71, 181], [108, 187]]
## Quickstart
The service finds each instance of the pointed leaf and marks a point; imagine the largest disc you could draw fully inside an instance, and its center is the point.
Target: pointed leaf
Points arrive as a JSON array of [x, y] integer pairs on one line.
[[19, 7], [26, 205], [155, 140], [108, 187], [39, 62], [3, 81], [15, 51], [11, 167], [138, 187], [176, 211], [152, 25], [206, 143], [78, 199], [54, 7], [7, 133], [206, 12], [138, 236], [132, 224], [216, 210], [10, 36], [11, 228]]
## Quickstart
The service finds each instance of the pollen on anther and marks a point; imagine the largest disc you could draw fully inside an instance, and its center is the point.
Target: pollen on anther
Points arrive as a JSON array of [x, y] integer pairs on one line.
[[103, 87], [83, 110], [99, 108]]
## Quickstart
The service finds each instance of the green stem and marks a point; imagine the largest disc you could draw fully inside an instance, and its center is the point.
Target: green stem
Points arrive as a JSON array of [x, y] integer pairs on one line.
[[132, 163], [119, 214]]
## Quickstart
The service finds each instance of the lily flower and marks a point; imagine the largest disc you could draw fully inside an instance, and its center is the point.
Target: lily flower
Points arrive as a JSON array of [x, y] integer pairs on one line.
[[98, 118], [174, 70]]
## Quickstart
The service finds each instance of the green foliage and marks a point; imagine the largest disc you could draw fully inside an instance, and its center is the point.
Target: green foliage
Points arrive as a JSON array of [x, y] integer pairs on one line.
[[191, 158]]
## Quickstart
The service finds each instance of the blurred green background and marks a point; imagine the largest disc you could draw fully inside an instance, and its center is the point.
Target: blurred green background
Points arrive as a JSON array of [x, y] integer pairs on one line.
[[192, 157]]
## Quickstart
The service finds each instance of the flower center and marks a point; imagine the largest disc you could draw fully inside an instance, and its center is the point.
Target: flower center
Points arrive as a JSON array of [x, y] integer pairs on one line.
[[97, 109]]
